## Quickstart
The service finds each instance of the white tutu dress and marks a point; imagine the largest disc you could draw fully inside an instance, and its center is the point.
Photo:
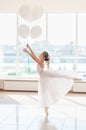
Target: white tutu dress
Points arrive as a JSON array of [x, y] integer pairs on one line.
[[52, 85]]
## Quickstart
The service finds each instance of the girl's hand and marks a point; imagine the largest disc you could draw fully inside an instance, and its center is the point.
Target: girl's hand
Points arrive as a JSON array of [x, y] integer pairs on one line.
[[27, 45], [25, 50]]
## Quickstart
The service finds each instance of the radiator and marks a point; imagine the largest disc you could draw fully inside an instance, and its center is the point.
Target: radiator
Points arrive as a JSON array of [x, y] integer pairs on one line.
[[79, 86], [20, 85]]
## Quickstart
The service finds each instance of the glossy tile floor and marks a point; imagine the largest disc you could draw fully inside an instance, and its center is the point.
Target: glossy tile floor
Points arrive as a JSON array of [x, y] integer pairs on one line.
[[21, 111]]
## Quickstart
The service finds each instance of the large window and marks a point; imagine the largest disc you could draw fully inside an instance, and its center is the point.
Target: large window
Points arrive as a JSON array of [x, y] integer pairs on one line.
[[27, 67], [8, 42], [62, 40], [81, 43], [63, 35]]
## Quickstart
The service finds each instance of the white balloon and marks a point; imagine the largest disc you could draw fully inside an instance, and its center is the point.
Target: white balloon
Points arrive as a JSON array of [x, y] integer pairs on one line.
[[37, 12], [23, 31], [36, 31], [25, 12]]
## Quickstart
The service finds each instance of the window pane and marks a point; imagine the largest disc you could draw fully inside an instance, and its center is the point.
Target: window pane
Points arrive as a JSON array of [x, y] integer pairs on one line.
[[82, 43], [8, 34], [61, 40], [26, 65]]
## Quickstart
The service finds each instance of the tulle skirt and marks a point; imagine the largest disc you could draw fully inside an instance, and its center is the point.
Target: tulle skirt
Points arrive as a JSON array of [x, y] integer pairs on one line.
[[51, 87]]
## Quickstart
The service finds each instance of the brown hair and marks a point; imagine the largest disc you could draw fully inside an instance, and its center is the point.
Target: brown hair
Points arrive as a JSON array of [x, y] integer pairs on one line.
[[46, 57]]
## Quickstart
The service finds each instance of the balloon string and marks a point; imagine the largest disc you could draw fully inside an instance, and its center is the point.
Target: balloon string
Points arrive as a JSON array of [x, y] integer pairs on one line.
[[28, 64]]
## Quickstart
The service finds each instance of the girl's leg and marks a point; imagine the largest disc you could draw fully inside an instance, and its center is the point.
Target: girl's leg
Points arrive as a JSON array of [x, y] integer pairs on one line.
[[46, 110]]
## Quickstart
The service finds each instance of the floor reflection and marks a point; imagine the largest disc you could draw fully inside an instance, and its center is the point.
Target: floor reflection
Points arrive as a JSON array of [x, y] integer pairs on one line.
[[45, 124], [69, 114]]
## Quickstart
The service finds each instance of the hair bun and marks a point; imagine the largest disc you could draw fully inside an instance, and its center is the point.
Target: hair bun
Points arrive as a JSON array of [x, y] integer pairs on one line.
[[46, 58]]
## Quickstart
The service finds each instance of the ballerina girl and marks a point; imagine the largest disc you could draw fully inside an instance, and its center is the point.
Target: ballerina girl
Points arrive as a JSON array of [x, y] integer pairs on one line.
[[52, 84]]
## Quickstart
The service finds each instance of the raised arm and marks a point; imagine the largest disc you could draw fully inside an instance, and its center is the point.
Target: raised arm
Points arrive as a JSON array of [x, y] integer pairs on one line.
[[33, 56], [30, 49]]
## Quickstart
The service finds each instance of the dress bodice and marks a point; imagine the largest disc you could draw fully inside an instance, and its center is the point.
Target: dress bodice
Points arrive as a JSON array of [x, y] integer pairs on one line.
[[39, 69]]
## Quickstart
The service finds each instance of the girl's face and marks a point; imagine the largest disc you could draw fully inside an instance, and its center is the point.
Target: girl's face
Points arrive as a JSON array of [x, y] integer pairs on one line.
[[41, 57]]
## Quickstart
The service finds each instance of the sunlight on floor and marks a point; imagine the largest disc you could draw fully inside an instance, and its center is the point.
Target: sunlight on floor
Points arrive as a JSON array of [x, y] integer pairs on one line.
[[21, 111]]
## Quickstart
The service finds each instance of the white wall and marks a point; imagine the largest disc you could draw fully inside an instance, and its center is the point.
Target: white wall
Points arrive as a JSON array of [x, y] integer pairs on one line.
[[48, 5]]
